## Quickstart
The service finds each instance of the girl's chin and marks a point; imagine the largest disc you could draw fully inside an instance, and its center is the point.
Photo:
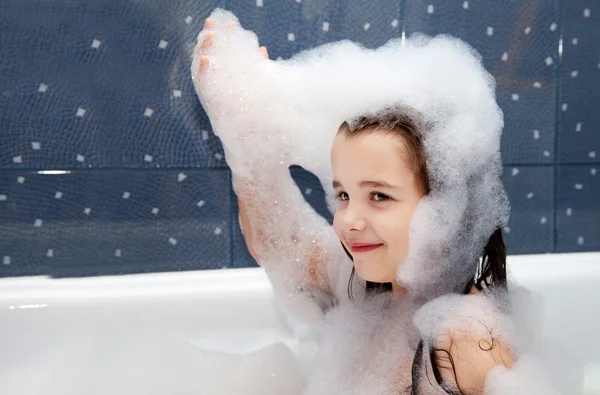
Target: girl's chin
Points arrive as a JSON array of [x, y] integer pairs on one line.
[[374, 276]]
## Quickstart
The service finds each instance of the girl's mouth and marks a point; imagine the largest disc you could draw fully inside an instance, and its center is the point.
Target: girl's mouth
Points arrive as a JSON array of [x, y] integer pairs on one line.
[[365, 248]]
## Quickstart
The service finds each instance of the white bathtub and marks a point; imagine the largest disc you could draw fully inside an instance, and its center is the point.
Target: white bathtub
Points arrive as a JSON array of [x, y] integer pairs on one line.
[[142, 334]]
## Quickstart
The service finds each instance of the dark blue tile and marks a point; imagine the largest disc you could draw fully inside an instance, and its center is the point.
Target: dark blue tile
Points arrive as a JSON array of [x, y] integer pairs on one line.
[[289, 27], [578, 227], [580, 78], [515, 40], [531, 193], [78, 77], [312, 190], [98, 222]]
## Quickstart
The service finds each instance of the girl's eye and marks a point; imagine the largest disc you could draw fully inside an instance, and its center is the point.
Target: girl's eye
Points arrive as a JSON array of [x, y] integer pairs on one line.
[[342, 196], [379, 197]]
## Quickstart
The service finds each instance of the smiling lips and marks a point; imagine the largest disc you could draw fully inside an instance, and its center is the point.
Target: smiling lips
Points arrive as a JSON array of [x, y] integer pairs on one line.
[[362, 247]]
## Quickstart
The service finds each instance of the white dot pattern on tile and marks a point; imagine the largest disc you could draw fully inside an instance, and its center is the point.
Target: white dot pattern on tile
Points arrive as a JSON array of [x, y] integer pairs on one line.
[[539, 139], [37, 223], [50, 253], [6, 260]]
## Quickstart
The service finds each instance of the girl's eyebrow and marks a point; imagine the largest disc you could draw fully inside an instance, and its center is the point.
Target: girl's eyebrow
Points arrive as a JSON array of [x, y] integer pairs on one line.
[[369, 184]]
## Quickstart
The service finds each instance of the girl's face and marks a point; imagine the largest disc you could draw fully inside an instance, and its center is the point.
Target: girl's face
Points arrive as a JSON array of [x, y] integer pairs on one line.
[[378, 193]]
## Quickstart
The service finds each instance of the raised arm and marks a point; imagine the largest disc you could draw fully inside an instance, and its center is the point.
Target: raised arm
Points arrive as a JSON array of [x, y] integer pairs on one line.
[[297, 248]]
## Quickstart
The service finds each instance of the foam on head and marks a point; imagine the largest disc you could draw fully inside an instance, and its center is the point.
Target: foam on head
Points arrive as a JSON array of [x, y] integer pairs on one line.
[[270, 115]]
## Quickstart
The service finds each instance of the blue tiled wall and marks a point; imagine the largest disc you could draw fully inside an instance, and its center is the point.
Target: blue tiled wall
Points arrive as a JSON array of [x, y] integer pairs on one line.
[[108, 164]]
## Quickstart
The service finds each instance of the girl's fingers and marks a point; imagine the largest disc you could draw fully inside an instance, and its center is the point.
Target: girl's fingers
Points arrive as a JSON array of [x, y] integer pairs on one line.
[[207, 41], [264, 52], [203, 64]]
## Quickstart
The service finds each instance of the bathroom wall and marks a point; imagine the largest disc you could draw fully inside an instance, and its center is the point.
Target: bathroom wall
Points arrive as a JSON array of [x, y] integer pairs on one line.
[[107, 160]]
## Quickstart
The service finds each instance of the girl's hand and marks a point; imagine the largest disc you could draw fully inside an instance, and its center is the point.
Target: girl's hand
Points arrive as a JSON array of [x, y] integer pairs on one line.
[[243, 93], [209, 37]]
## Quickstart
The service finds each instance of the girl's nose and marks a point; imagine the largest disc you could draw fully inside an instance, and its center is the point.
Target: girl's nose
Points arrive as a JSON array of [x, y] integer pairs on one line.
[[353, 218]]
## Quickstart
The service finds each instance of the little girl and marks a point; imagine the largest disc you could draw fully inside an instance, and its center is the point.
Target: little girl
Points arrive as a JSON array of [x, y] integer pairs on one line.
[[418, 211]]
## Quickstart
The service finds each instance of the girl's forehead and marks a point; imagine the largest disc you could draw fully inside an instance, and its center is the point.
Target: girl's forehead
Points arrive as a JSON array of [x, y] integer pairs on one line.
[[377, 149], [370, 155]]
